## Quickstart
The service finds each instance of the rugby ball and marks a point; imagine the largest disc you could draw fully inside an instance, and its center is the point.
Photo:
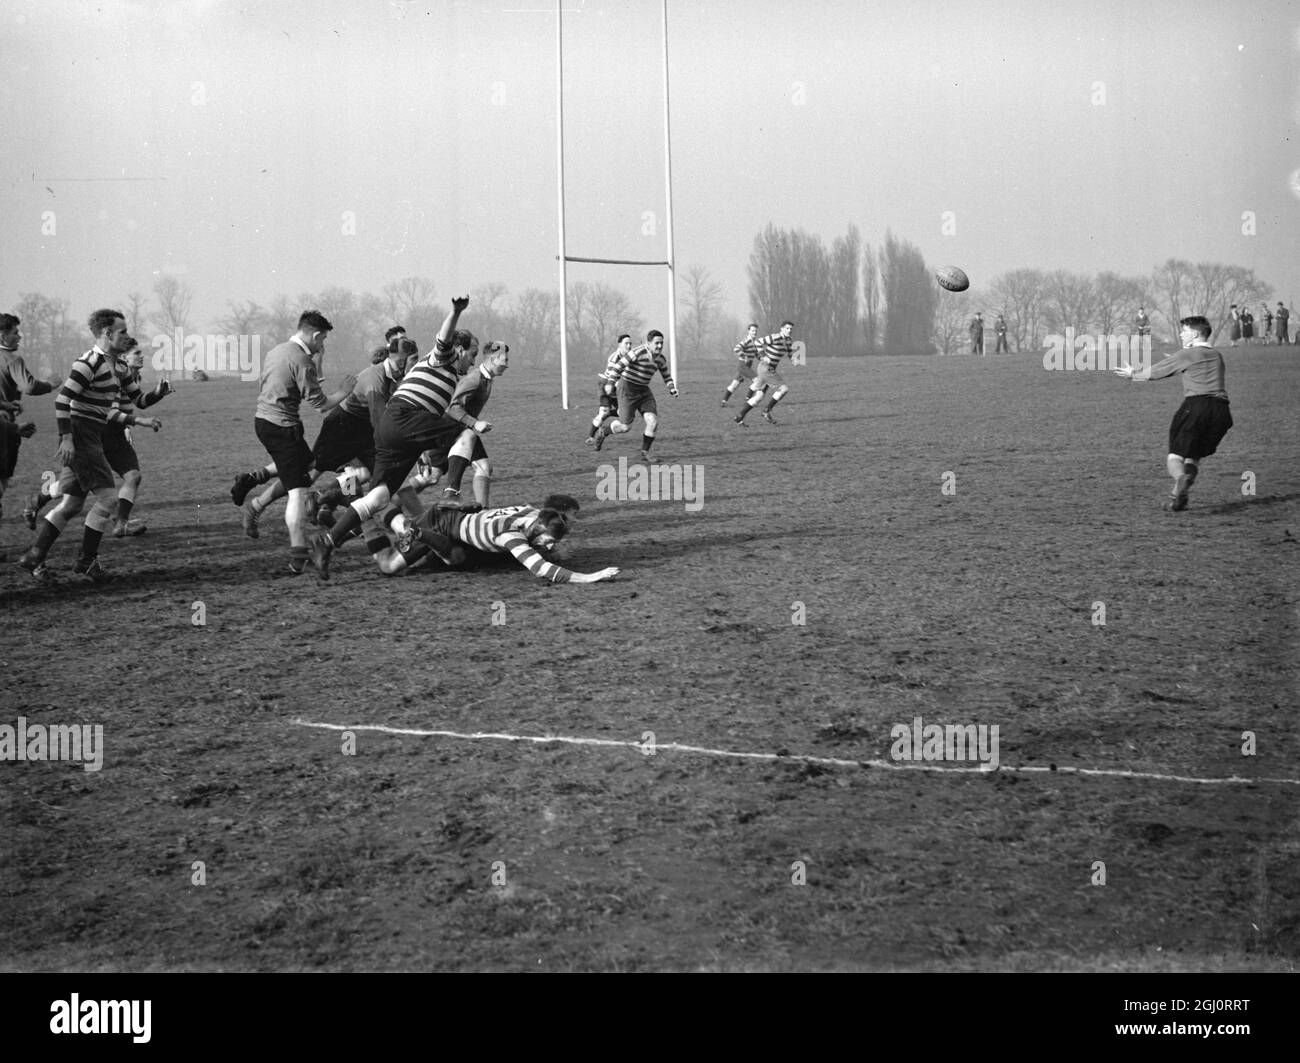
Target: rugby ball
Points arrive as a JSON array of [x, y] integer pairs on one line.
[[952, 278]]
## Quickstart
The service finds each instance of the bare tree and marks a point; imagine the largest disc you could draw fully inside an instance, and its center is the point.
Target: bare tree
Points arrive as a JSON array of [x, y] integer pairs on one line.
[[910, 298], [1069, 301], [535, 320], [703, 299], [871, 322], [842, 326], [1018, 294], [952, 320], [174, 298]]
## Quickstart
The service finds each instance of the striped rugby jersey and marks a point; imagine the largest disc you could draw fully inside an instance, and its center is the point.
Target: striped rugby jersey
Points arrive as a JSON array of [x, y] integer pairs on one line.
[[429, 385], [609, 366], [773, 348], [501, 531], [638, 366], [746, 351], [92, 391]]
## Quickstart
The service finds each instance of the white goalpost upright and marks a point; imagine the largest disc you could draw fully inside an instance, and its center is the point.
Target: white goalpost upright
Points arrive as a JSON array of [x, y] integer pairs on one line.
[[564, 257]]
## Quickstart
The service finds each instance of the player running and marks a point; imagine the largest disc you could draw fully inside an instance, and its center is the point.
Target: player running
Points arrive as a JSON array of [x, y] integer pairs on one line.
[[86, 402], [527, 533], [745, 351], [774, 347], [1203, 419], [631, 373], [608, 397]]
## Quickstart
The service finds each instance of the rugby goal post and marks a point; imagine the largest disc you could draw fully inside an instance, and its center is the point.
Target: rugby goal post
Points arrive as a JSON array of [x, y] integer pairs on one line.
[[564, 257]]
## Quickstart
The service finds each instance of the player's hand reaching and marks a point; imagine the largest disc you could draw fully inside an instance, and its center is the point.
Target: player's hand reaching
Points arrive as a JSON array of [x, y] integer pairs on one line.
[[459, 303], [28, 430], [595, 577], [483, 426]]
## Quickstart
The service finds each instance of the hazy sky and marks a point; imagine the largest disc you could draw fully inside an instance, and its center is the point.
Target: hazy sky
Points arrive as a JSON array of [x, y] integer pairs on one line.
[[224, 141]]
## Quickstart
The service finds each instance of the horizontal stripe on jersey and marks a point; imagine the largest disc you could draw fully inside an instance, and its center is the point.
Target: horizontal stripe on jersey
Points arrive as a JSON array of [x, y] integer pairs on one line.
[[746, 351], [429, 385], [501, 531], [91, 391], [774, 348], [638, 366]]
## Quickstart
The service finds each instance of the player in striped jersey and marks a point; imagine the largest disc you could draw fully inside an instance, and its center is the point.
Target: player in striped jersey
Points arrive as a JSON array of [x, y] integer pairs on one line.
[[774, 348], [414, 422], [632, 373], [467, 403], [527, 533], [745, 351], [608, 398], [87, 401]]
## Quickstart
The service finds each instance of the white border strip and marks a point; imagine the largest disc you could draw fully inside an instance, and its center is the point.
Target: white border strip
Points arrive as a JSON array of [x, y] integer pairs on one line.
[[794, 758]]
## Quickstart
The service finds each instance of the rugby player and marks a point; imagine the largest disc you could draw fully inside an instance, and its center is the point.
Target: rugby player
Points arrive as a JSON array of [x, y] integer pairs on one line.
[[632, 373], [1204, 418], [774, 347]]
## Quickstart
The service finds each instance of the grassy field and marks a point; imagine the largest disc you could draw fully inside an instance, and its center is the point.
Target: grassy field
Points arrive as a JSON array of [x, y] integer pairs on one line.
[[976, 606]]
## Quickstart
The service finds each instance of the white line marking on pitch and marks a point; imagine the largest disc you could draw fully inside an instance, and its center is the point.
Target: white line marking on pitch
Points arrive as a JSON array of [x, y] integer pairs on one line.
[[790, 758]]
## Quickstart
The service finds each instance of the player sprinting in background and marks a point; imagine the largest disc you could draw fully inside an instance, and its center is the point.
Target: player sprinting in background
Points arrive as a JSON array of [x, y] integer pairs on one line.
[[466, 406], [85, 403], [15, 381], [631, 374], [608, 397], [527, 533], [414, 422], [774, 347], [745, 351], [1204, 418]]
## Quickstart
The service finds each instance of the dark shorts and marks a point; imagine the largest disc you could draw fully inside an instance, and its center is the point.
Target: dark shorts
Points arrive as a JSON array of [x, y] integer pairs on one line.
[[633, 400], [288, 449], [121, 455], [344, 437], [1199, 426], [89, 469], [405, 432], [9, 442]]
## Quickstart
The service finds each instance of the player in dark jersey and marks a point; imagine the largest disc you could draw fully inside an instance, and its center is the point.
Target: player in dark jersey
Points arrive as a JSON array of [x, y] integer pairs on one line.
[[1204, 418]]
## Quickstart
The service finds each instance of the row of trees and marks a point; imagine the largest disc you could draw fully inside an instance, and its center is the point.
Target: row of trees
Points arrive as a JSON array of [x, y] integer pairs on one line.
[[852, 299], [848, 298], [597, 314]]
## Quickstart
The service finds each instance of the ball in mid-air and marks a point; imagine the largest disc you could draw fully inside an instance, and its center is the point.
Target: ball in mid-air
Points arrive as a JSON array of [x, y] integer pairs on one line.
[[953, 278]]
